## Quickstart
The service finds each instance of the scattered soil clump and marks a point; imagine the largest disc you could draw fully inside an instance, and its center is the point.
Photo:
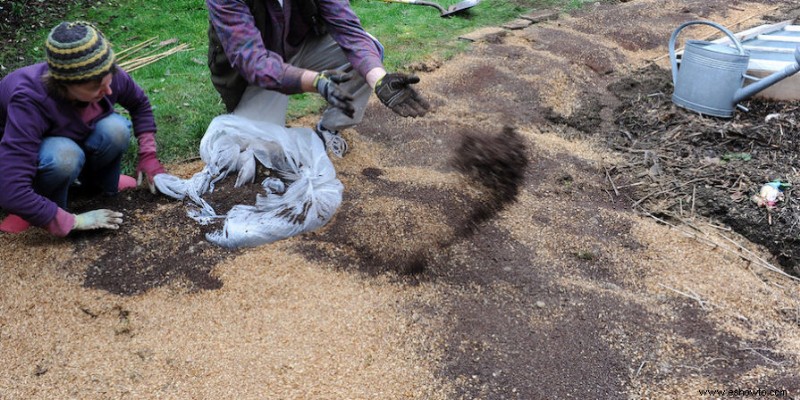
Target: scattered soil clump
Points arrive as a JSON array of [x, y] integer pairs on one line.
[[497, 162], [494, 164]]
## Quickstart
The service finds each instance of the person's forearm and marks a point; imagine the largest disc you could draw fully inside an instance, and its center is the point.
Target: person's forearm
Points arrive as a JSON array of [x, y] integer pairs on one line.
[[307, 81], [374, 75]]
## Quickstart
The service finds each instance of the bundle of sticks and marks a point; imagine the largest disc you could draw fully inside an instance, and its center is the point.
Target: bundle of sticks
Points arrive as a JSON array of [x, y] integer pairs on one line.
[[147, 52]]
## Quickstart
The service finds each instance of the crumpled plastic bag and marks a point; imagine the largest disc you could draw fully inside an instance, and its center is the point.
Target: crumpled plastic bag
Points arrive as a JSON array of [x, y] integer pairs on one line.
[[303, 195], [770, 194]]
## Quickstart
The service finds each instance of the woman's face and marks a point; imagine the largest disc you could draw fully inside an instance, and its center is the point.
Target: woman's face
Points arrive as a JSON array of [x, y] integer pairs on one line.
[[90, 92]]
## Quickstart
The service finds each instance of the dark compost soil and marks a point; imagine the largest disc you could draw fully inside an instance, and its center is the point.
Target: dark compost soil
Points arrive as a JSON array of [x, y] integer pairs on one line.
[[133, 260]]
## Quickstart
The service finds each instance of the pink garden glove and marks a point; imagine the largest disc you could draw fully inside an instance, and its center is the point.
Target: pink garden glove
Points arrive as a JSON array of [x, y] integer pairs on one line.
[[148, 166]]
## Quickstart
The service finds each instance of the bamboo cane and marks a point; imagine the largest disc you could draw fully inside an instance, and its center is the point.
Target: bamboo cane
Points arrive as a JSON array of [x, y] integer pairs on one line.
[[150, 58], [122, 54]]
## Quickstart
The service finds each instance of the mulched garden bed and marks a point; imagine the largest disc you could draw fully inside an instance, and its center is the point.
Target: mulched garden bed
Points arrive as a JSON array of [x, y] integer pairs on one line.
[[684, 164]]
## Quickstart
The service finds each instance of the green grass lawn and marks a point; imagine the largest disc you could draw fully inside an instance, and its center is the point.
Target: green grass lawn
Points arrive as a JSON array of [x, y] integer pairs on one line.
[[181, 93]]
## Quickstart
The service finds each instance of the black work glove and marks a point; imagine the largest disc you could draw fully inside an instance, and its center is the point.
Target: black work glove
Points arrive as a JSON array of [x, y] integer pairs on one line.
[[327, 84], [395, 92]]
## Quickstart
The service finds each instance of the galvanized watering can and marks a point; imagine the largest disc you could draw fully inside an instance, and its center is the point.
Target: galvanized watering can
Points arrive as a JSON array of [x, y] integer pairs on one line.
[[711, 76]]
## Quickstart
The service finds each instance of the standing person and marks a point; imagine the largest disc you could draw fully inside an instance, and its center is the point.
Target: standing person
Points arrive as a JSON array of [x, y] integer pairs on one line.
[[58, 125], [260, 51]]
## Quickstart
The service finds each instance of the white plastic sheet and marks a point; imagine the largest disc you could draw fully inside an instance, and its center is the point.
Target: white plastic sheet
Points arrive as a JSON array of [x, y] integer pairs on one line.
[[303, 196]]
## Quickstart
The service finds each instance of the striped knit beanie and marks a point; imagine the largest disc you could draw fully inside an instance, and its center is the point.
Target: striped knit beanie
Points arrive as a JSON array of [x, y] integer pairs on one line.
[[77, 52]]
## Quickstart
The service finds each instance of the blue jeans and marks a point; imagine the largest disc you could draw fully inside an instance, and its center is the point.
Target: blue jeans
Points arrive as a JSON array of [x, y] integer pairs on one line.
[[96, 161]]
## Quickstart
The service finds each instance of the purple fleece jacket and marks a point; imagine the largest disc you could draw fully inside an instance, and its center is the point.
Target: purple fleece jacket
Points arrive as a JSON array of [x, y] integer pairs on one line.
[[29, 113]]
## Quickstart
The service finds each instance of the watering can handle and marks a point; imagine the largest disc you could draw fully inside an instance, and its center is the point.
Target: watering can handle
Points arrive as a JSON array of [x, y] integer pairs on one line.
[[674, 37]]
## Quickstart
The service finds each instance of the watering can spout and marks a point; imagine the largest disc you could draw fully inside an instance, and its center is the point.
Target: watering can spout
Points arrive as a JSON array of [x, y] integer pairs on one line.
[[761, 84]]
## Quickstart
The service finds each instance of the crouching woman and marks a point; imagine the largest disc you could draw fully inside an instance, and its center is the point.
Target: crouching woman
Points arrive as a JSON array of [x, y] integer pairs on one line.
[[58, 125]]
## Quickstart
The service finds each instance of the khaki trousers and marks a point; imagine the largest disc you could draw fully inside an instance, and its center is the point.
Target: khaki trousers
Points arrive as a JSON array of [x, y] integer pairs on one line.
[[317, 54]]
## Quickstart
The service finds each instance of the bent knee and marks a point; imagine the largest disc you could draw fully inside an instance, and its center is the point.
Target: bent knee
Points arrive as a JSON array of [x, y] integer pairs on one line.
[[116, 131], [118, 136], [66, 162]]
